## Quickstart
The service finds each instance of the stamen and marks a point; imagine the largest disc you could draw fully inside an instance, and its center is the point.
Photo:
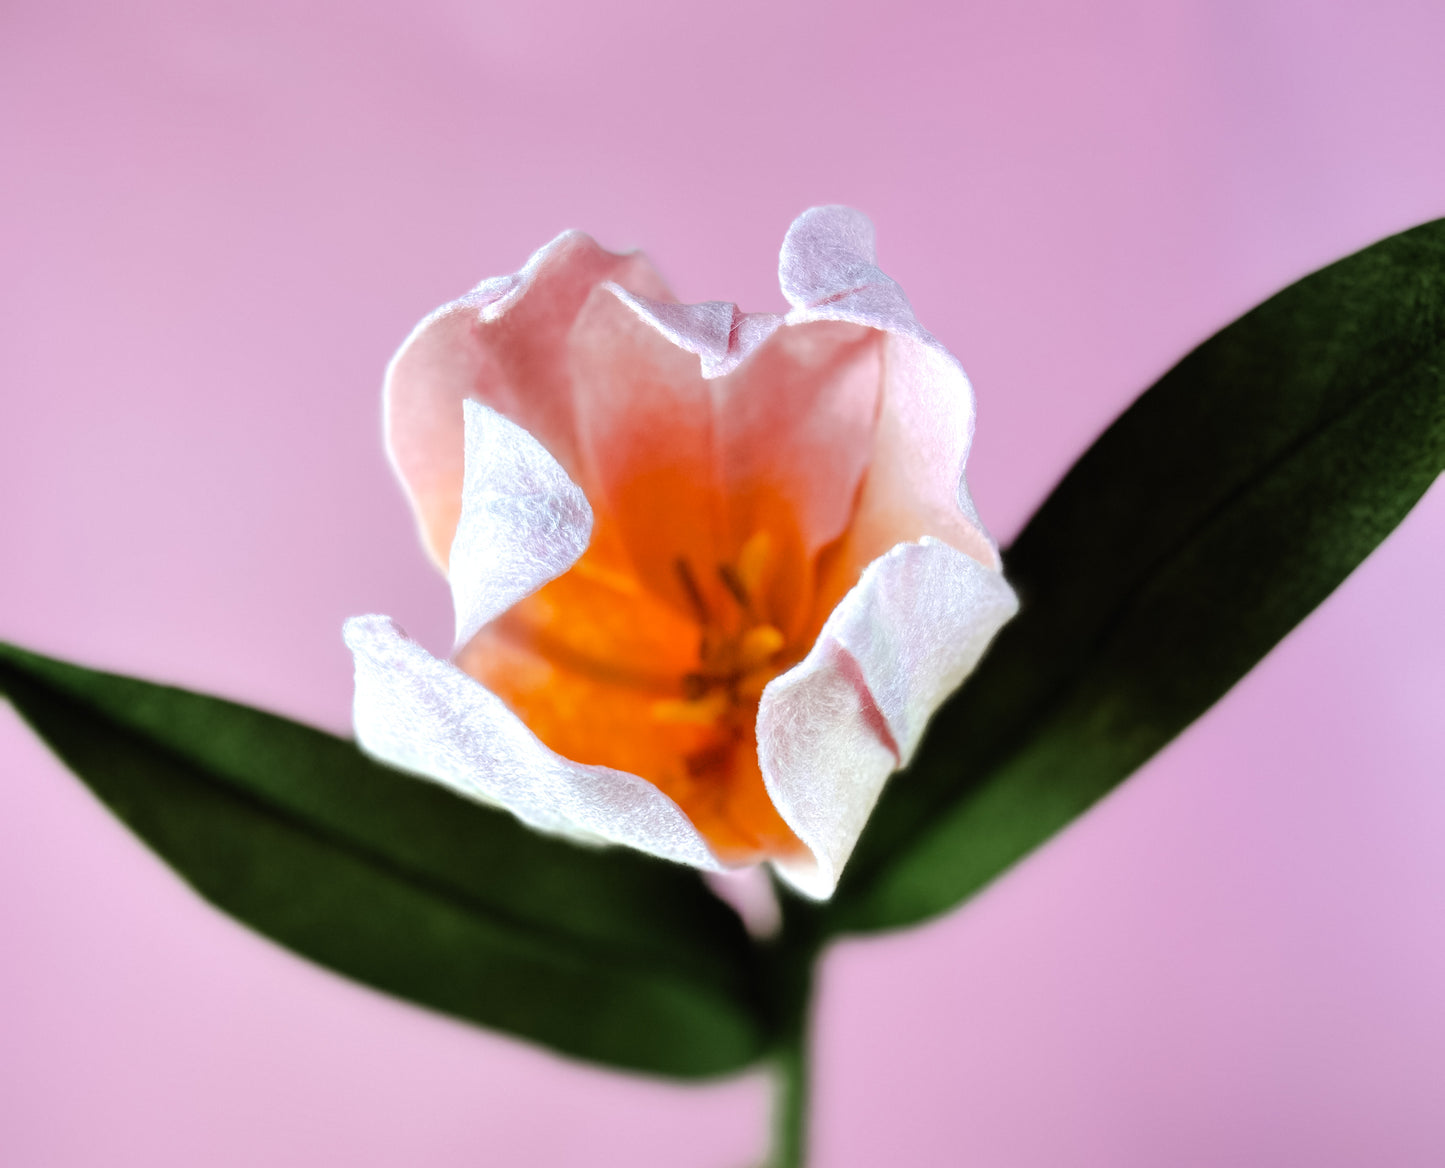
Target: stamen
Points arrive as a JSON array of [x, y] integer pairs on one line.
[[733, 663], [617, 581], [703, 712], [759, 644], [754, 559], [694, 593], [733, 583]]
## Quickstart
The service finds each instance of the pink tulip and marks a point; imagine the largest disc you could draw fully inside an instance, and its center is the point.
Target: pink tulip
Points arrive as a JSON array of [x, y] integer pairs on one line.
[[713, 571]]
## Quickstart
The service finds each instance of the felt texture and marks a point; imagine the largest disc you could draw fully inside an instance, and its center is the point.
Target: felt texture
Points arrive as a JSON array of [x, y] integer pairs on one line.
[[816, 458]]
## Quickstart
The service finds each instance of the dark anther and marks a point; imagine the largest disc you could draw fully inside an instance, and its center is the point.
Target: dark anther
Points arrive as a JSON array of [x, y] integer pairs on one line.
[[694, 686], [694, 593], [733, 583]]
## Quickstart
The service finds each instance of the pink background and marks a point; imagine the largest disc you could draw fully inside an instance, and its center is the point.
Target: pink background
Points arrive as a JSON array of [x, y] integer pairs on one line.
[[220, 219]]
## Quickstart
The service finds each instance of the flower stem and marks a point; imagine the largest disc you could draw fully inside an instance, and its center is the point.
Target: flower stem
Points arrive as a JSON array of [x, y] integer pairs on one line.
[[790, 1102], [791, 959]]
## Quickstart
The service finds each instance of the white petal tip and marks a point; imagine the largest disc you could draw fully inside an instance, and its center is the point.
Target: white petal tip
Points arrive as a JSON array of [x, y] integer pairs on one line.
[[719, 334]]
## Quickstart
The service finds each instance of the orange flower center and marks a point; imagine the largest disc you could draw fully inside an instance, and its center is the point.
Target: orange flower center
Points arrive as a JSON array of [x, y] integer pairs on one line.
[[721, 539], [663, 682]]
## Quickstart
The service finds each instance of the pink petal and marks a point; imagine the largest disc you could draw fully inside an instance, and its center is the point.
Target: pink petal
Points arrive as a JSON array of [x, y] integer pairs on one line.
[[718, 333], [835, 726], [690, 427], [502, 344], [798, 424], [644, 420], [426, 716], [916, 485], [753, 896], [700, 425]]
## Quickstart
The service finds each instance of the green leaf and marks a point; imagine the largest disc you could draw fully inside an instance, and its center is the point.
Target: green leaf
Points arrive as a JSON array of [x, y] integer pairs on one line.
[[1207, 522], [600, 953]]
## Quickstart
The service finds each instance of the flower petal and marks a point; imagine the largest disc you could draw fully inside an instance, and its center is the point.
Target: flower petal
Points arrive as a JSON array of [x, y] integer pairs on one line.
[[719, 333], [700, 426], [523, 521], [798, 426], [502, 344], [834, 727], [645, 437], [426, 716], [828, 271], [609, 720], [729, 458]]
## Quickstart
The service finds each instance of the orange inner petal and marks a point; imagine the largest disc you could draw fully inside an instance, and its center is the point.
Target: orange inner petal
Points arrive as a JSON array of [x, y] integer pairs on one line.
[[606, 672], [713, 503]]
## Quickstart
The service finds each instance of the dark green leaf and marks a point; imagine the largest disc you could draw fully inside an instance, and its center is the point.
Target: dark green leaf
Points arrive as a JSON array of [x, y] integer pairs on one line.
[[603, 954], [1207, 522]]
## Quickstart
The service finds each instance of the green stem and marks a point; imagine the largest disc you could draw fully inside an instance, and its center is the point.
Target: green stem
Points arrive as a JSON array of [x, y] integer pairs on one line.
[[790, 1102], [790, 959]]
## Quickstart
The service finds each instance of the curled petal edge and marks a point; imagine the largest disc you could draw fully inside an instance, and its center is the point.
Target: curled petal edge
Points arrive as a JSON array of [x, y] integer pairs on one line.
[[828, 270], [832, 729], [460, 351], [523, 520], [835, 726], [426, 716], [720, 334]]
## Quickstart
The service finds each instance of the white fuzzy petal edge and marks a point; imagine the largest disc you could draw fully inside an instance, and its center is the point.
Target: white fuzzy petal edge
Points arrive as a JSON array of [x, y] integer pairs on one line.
[[835, 726], [828, 271], [426, 716], [722, 336], [830, 730], [524, 521]]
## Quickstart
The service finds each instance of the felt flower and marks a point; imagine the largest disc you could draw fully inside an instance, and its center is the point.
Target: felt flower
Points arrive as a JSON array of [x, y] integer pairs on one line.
[[713, 571]]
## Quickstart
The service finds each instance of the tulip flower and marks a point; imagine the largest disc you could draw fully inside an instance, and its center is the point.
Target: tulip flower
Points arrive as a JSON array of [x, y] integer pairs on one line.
[[713, 571]]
